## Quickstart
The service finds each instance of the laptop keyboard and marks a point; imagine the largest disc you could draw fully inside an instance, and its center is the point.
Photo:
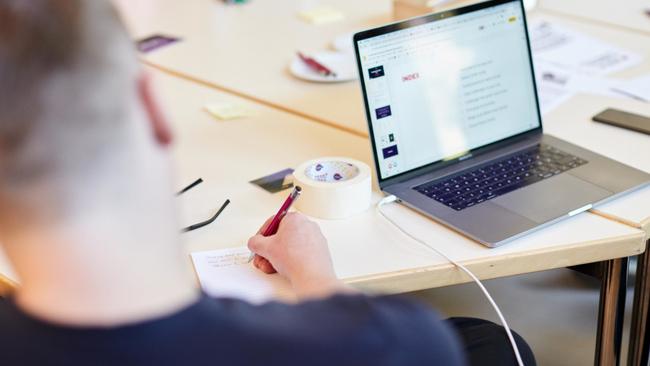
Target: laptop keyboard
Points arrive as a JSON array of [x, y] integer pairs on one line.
[[496, 179]]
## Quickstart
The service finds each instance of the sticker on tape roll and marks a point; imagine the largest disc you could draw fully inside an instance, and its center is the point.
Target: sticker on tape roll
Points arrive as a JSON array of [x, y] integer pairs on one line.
[[333, 188]]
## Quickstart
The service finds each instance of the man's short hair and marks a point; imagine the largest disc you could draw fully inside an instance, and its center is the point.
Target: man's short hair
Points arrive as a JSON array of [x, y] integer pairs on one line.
[[67, 80]]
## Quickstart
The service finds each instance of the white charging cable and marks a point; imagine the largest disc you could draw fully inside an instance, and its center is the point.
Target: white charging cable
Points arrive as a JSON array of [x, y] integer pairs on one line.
[[390, 199]]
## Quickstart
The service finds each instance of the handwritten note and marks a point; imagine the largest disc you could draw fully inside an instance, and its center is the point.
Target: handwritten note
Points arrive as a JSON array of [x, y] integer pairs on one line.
[[227, 273]]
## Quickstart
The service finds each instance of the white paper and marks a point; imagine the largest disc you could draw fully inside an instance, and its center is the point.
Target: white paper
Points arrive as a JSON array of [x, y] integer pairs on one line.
[[577, 52], [638, 88], [227, 273], [569, 62], [556, 85]]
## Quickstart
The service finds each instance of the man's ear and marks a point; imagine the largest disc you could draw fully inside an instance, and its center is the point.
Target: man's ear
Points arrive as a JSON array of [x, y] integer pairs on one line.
[[159, 125]]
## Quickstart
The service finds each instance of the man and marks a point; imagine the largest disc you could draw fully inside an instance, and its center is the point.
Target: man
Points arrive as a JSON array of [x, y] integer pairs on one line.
[[87, 220]]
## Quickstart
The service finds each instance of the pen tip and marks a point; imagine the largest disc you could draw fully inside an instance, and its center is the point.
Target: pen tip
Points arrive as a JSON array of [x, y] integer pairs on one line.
[[298, 188]]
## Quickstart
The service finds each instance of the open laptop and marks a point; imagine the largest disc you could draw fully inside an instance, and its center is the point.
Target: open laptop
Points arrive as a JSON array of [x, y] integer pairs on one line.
[[456, 130]]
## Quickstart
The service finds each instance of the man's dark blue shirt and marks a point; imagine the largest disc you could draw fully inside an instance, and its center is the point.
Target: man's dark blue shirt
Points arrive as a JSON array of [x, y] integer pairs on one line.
[[342, 330]]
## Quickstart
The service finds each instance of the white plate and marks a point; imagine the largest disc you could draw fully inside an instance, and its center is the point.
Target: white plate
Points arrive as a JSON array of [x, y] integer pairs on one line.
[[340, 63], [344, 43]]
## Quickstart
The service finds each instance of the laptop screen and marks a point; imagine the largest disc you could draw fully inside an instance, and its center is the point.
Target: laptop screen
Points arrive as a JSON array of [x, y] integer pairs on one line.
[[440, 86]]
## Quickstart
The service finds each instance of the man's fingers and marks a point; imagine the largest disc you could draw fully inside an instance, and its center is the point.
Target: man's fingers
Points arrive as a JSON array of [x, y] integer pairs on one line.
[[259, 245], [265, 266]]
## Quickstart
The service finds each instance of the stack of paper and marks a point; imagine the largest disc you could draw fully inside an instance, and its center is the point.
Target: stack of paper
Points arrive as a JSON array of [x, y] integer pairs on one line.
[[568, 62]]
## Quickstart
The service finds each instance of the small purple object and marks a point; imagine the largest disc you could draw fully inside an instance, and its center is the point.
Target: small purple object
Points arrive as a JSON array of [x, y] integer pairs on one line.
[[155, 42]]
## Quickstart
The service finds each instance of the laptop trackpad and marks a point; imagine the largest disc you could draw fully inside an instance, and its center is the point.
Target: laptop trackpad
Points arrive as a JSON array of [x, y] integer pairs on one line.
[[552, 198]]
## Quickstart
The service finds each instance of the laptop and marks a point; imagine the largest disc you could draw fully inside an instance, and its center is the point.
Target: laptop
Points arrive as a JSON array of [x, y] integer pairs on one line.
[[456, 129]]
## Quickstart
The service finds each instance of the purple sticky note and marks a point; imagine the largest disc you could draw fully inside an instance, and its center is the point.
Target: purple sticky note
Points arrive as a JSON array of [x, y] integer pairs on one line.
[[155, 42]]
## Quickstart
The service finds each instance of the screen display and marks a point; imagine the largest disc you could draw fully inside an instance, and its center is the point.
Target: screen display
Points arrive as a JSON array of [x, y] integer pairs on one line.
[[440, 89]]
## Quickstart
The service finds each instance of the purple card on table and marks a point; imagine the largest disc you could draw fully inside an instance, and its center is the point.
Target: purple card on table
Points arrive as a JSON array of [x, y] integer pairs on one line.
[[275, 182], [155, 42]]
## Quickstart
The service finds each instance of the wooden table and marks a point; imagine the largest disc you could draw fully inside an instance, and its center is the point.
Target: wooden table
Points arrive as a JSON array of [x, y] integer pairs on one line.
[[246, 51], [367, 252]]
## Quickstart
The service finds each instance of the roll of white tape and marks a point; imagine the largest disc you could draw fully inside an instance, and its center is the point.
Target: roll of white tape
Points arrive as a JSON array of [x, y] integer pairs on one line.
[[333, 187]]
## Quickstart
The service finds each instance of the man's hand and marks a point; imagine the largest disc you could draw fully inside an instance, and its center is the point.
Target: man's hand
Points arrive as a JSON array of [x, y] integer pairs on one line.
[[299, 252]]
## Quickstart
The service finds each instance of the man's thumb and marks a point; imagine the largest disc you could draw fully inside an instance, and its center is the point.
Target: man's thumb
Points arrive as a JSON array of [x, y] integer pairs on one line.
[[259, 245]]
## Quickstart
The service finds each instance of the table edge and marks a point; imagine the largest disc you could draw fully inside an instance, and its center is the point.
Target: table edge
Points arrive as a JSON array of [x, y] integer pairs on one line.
[[501, 266], [209, 84]]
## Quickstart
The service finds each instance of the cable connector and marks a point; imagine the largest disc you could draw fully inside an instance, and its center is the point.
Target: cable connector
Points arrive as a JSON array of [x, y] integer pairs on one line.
[[386, 200]]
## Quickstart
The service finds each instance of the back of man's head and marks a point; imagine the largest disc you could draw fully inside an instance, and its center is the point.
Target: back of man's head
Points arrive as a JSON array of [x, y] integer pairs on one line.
[[67, 89]]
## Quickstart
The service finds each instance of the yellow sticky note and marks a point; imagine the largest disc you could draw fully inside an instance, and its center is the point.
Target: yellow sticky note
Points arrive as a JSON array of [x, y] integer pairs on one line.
[[321, 15], [226, 111]]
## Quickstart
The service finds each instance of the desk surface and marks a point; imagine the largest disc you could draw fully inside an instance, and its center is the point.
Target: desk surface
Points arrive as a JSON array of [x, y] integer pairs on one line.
[[222, 48], [366, 250], [247, 49], [212, 55], [572, 122]]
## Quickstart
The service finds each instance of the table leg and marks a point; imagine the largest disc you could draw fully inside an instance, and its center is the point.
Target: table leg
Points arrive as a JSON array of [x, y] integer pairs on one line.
[[640, 325], [611, 312]]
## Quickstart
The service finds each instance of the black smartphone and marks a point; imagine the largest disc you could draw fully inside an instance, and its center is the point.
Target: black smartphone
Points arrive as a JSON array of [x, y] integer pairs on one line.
[[624, 119]]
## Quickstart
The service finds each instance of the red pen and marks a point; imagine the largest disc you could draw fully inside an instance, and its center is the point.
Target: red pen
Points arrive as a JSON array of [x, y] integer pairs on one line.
[[316, 66], [275, 223]]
